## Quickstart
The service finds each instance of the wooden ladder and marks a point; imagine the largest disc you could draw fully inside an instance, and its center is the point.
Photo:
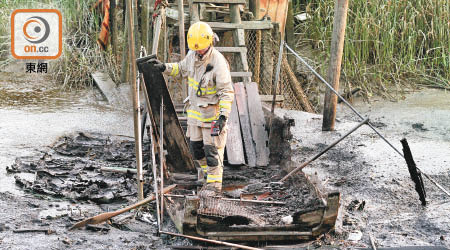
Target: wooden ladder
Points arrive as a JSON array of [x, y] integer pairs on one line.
[[238, 33]]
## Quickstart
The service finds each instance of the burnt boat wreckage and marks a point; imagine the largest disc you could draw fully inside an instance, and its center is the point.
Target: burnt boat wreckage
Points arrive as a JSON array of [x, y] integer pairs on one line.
[[255, 205]]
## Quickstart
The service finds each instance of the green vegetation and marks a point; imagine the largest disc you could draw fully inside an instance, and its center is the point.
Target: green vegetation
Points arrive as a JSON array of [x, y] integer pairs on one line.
[[388, 42]]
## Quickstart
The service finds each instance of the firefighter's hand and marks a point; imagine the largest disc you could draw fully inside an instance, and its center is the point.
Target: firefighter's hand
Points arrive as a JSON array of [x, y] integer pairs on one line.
[[221, 122], [158, 64]]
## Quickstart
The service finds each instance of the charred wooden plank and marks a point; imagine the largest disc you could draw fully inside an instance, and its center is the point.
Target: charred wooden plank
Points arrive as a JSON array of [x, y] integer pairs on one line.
[[330, 215], [310, 218], [179, 158], [191, 205]]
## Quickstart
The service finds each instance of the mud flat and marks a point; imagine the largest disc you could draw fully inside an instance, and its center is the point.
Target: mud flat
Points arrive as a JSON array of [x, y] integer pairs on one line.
[[378, 195]]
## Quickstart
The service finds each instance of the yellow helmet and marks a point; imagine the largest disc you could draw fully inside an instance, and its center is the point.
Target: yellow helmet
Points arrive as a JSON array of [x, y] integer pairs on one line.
[[200, 36]]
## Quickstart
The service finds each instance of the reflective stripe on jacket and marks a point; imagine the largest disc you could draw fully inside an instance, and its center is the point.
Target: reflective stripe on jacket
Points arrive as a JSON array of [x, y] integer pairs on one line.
[[210, 93]]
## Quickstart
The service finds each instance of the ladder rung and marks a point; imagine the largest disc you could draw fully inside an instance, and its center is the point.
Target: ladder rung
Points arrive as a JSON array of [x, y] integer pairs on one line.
[[241, 74], [249, 25], [221, 1], [232, 49]]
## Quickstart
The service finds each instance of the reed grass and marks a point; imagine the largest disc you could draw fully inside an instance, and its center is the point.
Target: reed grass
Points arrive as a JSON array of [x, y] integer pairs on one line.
[[388, 43]]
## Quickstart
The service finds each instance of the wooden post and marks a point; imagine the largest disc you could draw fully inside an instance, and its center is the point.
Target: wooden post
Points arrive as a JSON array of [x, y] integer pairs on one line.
[[182, 39], [254, 8], [334, 70], [290, 38], [136, 116], [144, 22], [113, 29], [125, 53], [257, 58]]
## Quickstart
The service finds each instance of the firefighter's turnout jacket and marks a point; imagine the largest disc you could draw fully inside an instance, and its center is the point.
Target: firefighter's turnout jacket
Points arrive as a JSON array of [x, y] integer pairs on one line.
[[210, 93]]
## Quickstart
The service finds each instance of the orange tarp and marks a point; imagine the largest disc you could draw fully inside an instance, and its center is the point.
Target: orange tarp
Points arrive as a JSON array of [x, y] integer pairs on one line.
[[276, 10]]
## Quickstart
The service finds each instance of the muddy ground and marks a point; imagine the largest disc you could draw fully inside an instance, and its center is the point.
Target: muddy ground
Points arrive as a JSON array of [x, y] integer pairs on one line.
[[378, 197], [373, 177]]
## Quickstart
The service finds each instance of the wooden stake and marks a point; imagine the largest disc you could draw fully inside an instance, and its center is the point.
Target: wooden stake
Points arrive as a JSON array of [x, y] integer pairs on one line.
[[334, 70], [113, 29], [137, 112]]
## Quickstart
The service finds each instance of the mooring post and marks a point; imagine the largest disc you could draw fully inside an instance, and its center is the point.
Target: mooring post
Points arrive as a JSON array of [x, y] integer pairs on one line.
[[334, 70], [136, 108]]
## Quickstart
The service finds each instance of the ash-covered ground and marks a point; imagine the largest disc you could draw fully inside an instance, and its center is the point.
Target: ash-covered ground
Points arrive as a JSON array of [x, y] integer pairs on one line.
[[378, 195]]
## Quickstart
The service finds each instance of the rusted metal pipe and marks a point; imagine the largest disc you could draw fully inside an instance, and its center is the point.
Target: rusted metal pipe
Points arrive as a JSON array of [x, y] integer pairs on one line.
[[324, 151], [211, 241]]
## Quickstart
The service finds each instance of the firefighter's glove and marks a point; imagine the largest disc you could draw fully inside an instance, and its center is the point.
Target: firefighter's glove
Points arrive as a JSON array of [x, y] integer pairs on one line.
[[221, 122], [158, 64]]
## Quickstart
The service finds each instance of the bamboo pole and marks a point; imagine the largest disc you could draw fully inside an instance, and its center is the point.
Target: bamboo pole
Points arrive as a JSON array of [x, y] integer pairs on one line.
[[125, 53], [334, 70], [145, 6], [136, 28], [161, 156], [157, 33], [182, 39], [136, 113]]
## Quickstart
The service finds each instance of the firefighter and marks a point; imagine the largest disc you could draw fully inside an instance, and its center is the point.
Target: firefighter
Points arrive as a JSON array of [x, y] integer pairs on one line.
[[210, 97]]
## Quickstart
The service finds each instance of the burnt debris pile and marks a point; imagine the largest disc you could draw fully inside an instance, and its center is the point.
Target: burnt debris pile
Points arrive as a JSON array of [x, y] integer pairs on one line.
[[260, 184], [83, 166]]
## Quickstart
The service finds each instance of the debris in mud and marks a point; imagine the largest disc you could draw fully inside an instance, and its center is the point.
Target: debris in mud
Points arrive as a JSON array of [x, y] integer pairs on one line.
[[35, 230], [72, 169], [3, 227], [419, 127]]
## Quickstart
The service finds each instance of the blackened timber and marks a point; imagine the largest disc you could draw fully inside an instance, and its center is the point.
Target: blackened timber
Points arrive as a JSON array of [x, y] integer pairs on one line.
[[415, 175], [179, 158]]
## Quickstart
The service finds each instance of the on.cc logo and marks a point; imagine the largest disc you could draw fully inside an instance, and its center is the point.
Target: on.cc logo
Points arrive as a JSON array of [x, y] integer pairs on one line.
[[36, 34]]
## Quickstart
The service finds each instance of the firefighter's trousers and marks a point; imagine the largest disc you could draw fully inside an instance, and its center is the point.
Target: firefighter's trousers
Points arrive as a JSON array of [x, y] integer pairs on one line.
[[208, 153]]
